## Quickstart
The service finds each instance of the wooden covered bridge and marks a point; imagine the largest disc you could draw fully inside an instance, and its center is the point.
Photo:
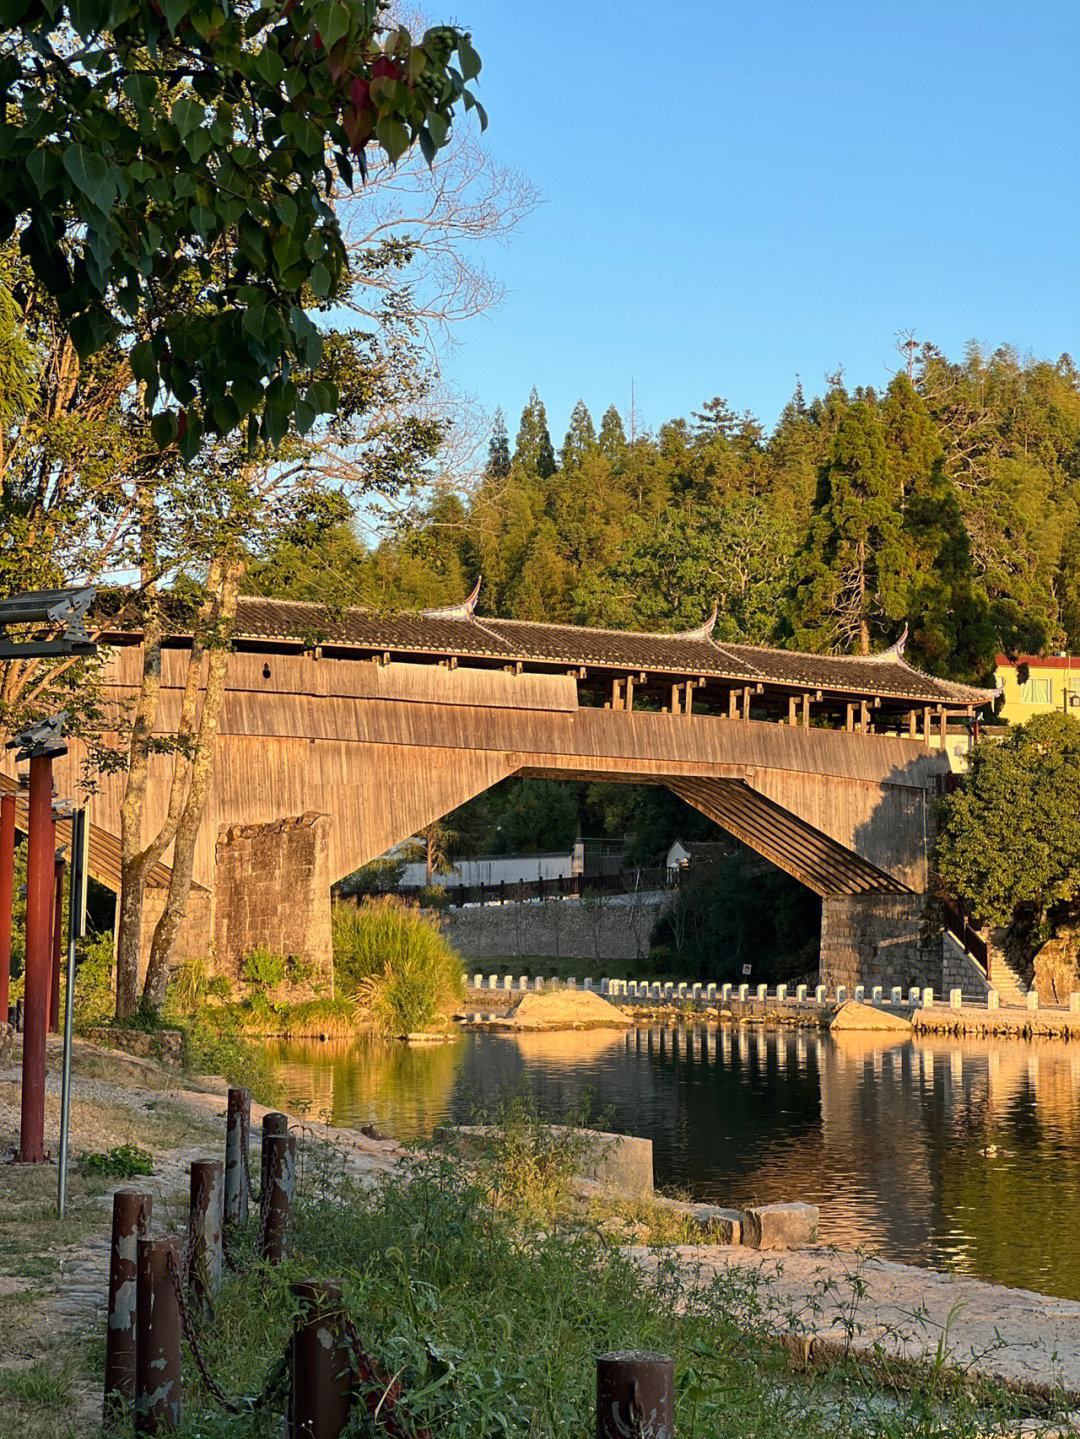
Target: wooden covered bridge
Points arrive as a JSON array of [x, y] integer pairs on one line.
[[343, 733]]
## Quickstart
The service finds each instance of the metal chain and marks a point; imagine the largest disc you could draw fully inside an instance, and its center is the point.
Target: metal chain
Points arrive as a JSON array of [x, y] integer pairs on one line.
[[213, 1388], [366, 1373], [192, 1234], [245, 1139]]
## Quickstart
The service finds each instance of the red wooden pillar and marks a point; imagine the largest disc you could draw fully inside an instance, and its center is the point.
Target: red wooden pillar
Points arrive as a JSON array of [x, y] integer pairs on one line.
[[41, 854], [57, 944], [7, 895]]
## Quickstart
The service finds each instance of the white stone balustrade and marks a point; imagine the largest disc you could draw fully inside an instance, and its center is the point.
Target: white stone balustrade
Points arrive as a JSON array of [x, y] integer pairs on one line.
[[744, 992], [1033, 999], [478, 981], [781, 993], [875, 994], [860, 993], [928, 999], [800, 994], [896, 994], [819, 994], [1074, 1003], [841, 994], [956, 998], [993, 999], [725, 993], [762, 992], [913, 996]]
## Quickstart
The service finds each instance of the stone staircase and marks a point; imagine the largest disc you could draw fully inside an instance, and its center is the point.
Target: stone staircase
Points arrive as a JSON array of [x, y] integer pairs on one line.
[[1010, 987], [959, 970]]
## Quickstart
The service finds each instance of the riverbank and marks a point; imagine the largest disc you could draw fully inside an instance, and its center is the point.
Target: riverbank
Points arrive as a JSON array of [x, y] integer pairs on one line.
[[565, 1295]]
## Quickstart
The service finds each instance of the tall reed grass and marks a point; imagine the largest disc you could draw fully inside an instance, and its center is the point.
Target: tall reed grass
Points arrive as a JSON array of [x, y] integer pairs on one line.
[[392, 959]]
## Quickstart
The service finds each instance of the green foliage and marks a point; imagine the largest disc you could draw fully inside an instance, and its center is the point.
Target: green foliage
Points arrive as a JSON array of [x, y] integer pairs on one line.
[[725, 918], [263, 968], [189, 986], [124, 1161], [491, 1326], [92, 1002], [214, 1043], [526, 1161], [392, 958], [1011, 834], [188, 131]]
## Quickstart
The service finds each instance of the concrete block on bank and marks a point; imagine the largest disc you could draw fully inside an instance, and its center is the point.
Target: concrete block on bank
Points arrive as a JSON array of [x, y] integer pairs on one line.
[[993, 999], [709, 1223], [956, 998], [1033, 999], [620, 1161], [780, 1226]]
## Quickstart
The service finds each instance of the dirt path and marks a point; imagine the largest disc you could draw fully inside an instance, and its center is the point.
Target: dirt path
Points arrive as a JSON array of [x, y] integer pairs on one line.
[[53, 1274], [827, 1300]]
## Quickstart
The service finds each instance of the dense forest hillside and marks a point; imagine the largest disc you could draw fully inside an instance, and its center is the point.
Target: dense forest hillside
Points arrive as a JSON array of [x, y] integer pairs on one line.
[[949, 503]]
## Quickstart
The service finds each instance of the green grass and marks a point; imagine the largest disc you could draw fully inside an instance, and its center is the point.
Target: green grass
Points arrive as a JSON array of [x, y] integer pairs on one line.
[[492, 1324]]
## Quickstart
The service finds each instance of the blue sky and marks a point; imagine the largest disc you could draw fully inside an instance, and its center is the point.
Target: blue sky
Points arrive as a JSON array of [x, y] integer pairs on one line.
[[737, 195]]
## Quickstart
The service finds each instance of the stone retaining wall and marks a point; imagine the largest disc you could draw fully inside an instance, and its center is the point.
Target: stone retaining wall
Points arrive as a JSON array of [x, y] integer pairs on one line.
[[597, 931]]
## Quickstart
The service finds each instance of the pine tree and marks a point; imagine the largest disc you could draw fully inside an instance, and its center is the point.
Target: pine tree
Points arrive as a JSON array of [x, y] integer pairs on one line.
[[580, 441], [534, 452], [850, 583], [612, 435], [498, 465]]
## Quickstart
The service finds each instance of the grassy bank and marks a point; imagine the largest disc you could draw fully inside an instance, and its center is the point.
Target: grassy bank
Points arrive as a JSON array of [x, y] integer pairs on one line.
[[492, 1326]]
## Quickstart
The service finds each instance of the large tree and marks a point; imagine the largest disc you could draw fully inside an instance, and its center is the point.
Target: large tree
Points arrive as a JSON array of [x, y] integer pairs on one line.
[[1011, 835], [168, 171]]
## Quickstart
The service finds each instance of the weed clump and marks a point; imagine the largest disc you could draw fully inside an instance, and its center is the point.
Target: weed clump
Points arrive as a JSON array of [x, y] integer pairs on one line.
[[394, 961], [124, 1161]]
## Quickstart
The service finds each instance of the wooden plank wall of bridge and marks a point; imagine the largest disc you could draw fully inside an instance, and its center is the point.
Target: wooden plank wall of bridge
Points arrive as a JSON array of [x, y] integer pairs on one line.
[[385, 749]]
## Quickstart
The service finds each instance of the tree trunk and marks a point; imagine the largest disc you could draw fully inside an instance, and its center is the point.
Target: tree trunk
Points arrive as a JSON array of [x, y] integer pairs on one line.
[[134, 860], [198, 789], [864, 624]]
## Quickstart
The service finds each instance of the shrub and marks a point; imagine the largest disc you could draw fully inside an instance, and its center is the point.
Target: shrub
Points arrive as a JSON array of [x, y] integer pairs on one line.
[[394, 960], [93, 1001], [188, 986], [262, 967], [123, 1162], [214, 1044]]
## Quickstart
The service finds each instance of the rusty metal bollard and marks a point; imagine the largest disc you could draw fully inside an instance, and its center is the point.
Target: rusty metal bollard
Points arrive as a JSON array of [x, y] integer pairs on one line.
[[236, 1132], [278, 1188], [204, 1231], [322, 1381], [272, 1124], [157, 1338], [635, 1395], [131, 1218]]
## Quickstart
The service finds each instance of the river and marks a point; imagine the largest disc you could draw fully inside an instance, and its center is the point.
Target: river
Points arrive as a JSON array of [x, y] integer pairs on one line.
[[962, 1156]]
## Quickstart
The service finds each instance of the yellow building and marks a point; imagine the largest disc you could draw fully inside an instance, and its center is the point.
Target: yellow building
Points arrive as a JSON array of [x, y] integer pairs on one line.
[[1037, 684]]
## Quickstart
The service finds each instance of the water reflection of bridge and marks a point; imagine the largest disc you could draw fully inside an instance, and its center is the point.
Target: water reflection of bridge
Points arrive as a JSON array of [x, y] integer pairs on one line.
[[928, 1150]]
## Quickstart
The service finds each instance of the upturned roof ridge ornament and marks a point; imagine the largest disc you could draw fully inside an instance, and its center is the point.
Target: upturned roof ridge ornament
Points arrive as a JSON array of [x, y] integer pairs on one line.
[[895, 651], [463, 611], [703, 632]]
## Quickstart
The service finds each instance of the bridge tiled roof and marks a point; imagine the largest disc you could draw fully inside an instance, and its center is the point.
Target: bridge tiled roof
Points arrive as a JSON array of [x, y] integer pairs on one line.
[[460, 633]]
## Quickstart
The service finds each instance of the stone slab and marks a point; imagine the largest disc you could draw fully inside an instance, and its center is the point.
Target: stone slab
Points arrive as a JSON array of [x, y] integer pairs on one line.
[[854, 1016], [780, 1226]]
